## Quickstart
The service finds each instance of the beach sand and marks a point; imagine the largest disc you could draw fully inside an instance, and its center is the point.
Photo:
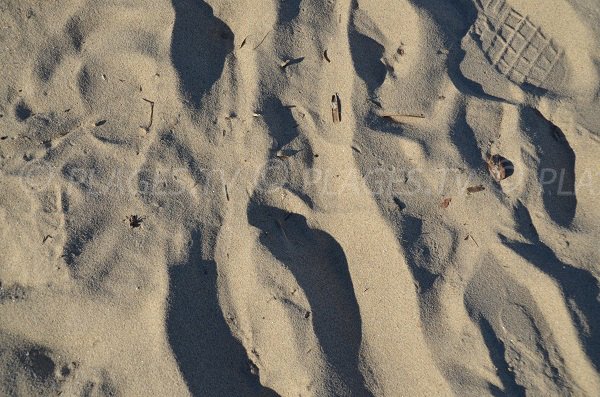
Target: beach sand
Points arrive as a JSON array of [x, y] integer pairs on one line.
[[299, 198]]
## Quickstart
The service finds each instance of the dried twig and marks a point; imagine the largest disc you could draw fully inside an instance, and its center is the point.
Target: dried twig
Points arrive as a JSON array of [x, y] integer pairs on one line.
[[471, 237], [475, 189], [263, 39], [147, 129]]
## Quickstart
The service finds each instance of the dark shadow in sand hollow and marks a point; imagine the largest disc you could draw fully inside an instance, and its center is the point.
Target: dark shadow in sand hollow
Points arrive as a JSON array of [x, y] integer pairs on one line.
[[464, 139], [556, 167], [418, 254], [213, 362], [199, 45], [280, 122], [497, 351], [319, 265], [366, 56], [580, 288], [288, 10]]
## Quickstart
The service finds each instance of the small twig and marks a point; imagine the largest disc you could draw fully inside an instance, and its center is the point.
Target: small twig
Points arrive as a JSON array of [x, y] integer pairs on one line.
[[326, 56], [475, 189], [418, 116], [469, 236], [226, 193], [151, 115], [263, 39]]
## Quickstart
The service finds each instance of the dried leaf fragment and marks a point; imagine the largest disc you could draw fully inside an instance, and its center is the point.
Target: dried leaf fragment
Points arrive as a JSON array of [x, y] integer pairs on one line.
[[336, 108], [326, 56], [446, 202], [500, 168]]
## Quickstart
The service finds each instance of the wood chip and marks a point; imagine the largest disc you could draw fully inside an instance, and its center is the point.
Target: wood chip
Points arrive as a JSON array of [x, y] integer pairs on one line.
[[289, 62], [475, 189], [446, 202], [336, 108]]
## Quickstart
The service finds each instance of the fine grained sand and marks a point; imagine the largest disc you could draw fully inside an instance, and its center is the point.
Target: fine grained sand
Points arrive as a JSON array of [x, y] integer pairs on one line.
[[180, 214]]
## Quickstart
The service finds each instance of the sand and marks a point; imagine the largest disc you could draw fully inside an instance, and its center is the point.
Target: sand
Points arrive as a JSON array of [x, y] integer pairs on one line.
[[299, 198]]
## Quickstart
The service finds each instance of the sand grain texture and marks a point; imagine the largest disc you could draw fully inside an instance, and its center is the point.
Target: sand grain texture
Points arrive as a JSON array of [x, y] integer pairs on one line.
[[292, 198]]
